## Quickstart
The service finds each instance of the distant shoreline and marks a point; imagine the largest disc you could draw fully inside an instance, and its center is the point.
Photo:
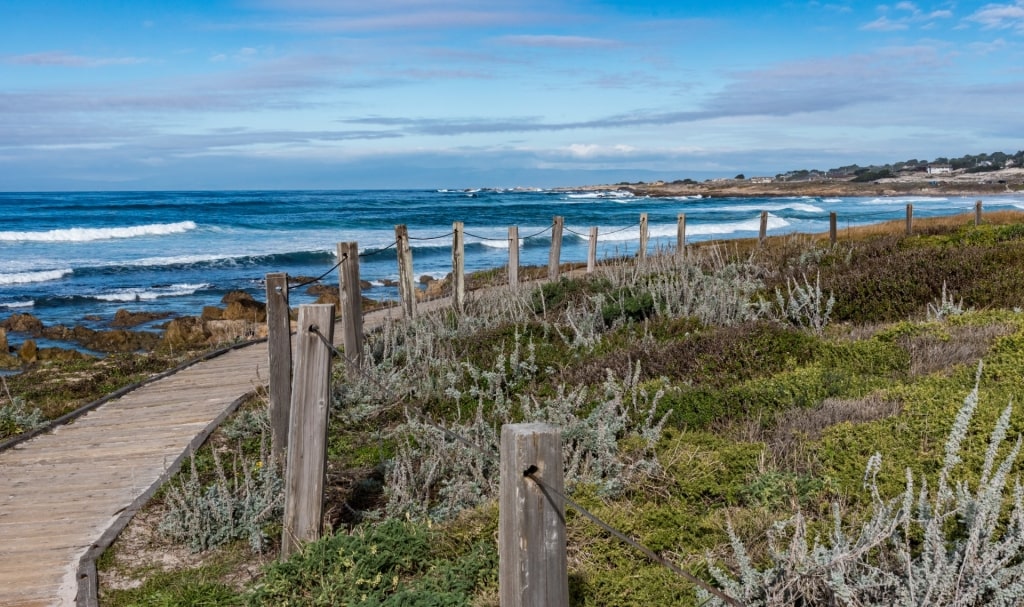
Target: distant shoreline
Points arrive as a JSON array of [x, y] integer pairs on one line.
[[1007, 181]]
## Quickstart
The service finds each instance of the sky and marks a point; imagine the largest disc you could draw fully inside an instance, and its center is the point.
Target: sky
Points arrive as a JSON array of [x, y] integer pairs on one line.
[[344, 94]]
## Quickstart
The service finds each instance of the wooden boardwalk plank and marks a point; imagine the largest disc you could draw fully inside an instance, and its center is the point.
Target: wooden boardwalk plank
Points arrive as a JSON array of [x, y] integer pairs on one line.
[[61, 491]]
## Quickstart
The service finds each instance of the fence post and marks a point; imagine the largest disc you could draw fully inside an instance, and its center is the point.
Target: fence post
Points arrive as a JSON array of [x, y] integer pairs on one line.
[[307, 435], [592, 251], [763, 233], [406, 286], [681, 233], [832, 234], [644, 235], [513, 256], [351, 296], [910, 219], [458, 266], [554, 258], [279, 346], [532, 564], [977, 213]]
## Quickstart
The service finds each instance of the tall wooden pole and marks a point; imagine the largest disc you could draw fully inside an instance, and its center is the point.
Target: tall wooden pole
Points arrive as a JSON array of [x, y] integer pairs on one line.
[[833, 235], [279, 345], [554, 257], [458, 266], [763, 232], [681, 233], [910, 219], [644, 236], [406, 286], [592, 251], [977, 213], [307, 438], [513, 256], [351, 295]]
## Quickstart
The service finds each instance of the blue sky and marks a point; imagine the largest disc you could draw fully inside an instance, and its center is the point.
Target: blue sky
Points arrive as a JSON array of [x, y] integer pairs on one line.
[[256, 94]]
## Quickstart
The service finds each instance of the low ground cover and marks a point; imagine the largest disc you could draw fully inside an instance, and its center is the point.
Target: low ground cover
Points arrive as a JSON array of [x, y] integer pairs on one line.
[[703, 399]]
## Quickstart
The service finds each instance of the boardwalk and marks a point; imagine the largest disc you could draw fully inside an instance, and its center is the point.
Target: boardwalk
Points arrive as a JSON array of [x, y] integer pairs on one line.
[[62, 491]]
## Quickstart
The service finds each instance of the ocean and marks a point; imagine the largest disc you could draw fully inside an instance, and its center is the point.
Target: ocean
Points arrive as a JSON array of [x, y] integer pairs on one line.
[[76, 258]]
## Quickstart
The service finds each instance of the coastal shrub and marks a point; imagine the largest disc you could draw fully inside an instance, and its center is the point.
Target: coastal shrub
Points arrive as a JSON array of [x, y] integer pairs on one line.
[[203, 516], [442, 468], [803, 305], [954, 544], [16, 417]]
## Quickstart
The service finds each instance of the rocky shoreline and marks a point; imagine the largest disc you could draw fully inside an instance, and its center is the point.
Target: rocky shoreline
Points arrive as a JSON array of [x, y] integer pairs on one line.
[[240, 317], [1004, 181]]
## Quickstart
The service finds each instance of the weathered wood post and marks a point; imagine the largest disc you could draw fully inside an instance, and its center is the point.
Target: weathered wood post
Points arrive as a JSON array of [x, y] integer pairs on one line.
[[532, 564], [279, 346], [833, 235], [513, 256], [592, 251], [406, 286], [910, 219], [977, 213], [763, 233], [555, 256], [681, 233], [458, 266], [644, 236], [351, 296], [307, 436]]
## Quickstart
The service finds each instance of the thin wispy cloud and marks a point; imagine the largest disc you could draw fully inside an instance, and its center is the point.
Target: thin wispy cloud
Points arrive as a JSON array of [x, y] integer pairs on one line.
[[563, 42], [1000, 16], [62, 59]]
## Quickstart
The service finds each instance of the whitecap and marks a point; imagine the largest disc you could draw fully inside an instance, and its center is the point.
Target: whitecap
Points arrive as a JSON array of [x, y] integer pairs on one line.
[[177, 290], [18, 304], [20, 278], [91, 234]]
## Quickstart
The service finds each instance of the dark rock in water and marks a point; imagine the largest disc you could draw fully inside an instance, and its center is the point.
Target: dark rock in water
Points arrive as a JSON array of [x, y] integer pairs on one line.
[[28, 353], [330, 296], [319, 289], [61, 354], [121, 340], [388, 282], [246, 309], [186, 332], [117, 340], [124, 319], [365, 285], [426, 279], [233, 296], [212, 313], [23, 323]]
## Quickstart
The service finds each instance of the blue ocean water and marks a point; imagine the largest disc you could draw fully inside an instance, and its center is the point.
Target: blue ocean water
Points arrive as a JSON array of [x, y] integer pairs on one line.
[[76, 258]]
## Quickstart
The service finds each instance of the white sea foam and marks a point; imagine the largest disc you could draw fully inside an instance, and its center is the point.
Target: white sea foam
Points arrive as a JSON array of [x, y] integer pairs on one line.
[[90, 234], [20, 278], [18, 304], [749, 225], [603, 194], [906, 200], [832, 200], [750, 208], [153, 293]]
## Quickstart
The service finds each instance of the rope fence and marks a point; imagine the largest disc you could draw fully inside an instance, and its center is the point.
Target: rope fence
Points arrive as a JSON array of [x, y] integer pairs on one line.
[[532, 499]]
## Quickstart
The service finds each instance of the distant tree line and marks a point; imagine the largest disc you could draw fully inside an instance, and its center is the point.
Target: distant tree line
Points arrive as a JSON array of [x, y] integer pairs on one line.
[[971, 163]]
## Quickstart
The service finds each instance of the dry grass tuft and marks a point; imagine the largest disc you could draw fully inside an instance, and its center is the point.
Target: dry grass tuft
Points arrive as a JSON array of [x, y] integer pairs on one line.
[[794, 428], [930, 353]]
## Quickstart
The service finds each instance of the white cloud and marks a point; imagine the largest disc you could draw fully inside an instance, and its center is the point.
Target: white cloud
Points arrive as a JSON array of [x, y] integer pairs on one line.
[[1000, 16], [593, 150]]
